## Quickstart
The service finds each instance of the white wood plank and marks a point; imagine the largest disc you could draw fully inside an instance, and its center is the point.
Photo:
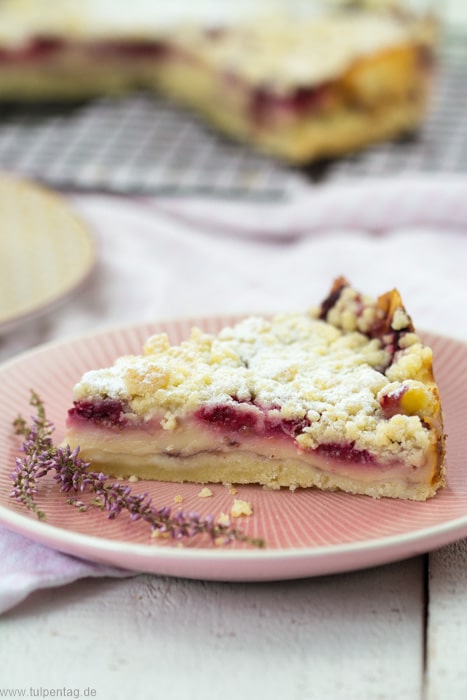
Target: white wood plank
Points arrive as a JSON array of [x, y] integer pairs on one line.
[[354, 636], [446, 674]]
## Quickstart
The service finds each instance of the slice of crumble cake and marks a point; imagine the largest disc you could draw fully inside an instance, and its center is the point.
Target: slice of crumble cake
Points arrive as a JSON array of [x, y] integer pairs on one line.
[[341, 397]]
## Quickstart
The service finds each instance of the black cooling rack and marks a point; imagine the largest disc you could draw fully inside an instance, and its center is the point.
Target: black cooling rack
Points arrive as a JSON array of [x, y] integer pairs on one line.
[[142, 144]]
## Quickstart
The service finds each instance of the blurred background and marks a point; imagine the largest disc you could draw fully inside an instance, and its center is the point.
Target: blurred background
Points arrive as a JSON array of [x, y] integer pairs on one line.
[[141, 143]]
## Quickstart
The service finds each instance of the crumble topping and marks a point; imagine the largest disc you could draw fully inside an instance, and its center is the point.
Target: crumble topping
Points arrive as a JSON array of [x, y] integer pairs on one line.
[[281, 53], [351, 371], [351, 311], [292, 364]]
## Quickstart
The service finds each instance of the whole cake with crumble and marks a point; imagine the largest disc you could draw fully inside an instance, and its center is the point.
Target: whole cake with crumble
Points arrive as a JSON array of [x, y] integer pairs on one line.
[[299, 87], [341, 397]]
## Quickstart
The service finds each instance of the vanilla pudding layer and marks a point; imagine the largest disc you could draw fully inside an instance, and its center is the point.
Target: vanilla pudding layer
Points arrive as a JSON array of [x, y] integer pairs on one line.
[[193, 453]]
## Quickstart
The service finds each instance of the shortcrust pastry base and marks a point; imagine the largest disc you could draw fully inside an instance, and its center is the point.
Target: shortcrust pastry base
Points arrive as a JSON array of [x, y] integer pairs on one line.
[[247, 468], [344, 131]]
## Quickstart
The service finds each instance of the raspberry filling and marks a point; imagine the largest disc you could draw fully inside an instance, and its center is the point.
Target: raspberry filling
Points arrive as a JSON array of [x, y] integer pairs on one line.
[[230, 419], [266, 106], [35, 49], [108, 412], [42, 47], [345, 452], [391, 403], [132, 49]]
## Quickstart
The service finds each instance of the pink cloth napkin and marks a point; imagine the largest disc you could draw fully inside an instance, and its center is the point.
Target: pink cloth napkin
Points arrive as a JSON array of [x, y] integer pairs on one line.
[[374, 205], [182, 258], [26, 567]]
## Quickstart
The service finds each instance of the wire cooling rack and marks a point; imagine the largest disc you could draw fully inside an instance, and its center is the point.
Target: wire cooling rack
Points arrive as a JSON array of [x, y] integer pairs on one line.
[[143, 144]]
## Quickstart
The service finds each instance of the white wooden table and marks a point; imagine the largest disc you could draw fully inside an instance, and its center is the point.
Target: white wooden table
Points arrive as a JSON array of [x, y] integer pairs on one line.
[[392, 632], [395, 631]]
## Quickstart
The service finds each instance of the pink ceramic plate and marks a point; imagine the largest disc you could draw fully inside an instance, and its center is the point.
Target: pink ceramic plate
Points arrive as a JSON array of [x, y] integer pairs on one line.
[[308, 533]]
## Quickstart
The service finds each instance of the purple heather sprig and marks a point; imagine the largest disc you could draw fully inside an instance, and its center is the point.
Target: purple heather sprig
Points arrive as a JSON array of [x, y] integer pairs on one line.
[[41, 456]]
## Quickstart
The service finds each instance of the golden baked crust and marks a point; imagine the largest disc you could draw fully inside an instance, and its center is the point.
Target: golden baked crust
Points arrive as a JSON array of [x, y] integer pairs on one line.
[[342, 396]]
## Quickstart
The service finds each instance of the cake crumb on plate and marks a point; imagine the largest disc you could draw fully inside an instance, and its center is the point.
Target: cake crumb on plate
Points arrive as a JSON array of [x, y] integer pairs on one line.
[[240, 508], [205, 493]]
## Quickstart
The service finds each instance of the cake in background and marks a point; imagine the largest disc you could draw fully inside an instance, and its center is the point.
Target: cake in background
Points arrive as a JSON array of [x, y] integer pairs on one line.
[[299, 81]]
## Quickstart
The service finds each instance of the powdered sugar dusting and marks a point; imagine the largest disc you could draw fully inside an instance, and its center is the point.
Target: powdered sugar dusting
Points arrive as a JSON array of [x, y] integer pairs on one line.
[[295, 363], [325, 381], [108, 382], [281, 53]]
